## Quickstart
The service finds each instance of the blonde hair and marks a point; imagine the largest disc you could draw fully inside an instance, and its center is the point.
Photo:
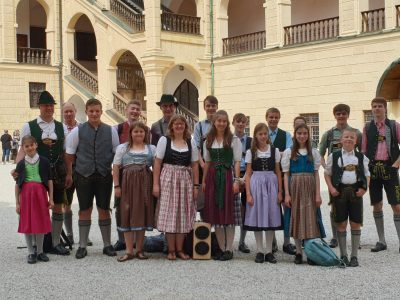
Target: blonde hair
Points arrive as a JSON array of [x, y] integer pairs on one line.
[[186, 132]]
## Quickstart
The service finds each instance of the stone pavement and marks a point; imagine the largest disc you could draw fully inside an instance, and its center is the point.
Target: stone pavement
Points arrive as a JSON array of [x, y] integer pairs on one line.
[[98, 276]]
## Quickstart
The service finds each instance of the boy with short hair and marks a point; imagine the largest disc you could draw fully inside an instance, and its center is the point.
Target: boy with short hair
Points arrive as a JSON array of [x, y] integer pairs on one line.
[[347, 176], [331, 141], [239, 123]]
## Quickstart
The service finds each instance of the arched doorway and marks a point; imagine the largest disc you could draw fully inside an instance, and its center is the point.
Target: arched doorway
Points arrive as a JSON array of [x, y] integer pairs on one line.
[[80, 108], [130, 78], [188, 96], [31, 33], [85, 50], [389, 88]]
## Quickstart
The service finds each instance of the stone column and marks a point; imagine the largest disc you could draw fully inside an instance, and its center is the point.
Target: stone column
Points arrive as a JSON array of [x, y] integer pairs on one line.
[[8, 32], [390, 15], [153, 26], [205, 83], [278, 14]]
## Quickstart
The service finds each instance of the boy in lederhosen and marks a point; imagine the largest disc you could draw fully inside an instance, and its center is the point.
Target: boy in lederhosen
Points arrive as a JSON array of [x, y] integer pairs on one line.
[[380, 144], [347, 177]]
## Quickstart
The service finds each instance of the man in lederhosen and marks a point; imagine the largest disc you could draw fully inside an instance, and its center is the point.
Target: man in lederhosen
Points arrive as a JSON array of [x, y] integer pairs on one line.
[[380, 143], [168, 105], [50, 136]]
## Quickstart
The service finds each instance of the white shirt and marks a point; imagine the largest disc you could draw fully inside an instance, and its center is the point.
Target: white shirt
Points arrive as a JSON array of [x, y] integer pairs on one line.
[[48, 129], [162, 145], [32, 160], [349, 158], [72, 140], [122, 149], [285, 161], [236, 146], [263, 154]]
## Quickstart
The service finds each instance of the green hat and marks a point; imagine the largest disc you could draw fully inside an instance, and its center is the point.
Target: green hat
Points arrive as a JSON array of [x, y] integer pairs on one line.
[[46, 98], [167, 99]]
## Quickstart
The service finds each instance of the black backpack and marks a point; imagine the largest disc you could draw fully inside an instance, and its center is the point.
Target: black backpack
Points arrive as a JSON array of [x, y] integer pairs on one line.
[[48, 242]]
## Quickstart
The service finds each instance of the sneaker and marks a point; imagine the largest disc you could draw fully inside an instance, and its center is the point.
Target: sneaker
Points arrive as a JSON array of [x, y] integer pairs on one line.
[[269, 257], [298, 259], [379, 247], [289, 249], [333, 243], [32, 259], [243, 248], [345, 259], [81, 253], [353, 262], [109, 251], [42, 257], [119, 246], [259, 258], [227, 255]]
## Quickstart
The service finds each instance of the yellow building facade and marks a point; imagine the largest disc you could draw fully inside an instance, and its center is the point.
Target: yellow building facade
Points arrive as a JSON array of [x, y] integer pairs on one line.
[[302, 56]]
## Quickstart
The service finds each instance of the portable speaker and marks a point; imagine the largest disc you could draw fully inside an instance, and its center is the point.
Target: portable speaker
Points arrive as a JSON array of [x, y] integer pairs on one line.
[[202, 240]]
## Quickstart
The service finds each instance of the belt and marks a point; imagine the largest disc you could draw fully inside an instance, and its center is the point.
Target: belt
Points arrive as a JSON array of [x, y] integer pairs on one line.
[[350, 168]]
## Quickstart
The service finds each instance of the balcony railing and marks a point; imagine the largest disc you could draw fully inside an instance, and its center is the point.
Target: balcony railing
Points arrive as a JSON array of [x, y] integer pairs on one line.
[[191, 118], [33, 56], [180, 23], [373, 20], [127, 15], [119, 104], [255, 41], [84, 76], [130, 79], [312, 31]]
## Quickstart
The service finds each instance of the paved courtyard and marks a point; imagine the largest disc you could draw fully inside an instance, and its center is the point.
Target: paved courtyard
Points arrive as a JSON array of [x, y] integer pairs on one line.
[[101, 277]]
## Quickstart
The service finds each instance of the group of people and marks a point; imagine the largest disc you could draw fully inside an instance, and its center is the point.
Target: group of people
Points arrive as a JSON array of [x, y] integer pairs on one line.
[[266, 183], [9, 145]]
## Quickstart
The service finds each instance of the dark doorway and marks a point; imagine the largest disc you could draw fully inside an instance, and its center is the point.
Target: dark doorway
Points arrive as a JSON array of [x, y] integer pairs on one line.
[[188, 96]]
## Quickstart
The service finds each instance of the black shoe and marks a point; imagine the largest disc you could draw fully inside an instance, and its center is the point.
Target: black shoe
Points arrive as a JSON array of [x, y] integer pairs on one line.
[[109, 251], [119, 246], [32, 259], [353, 262], [259, 258], [227, 255], [379, 247], [80, 253], [289, 249], [42, 257], [217, 255], [298, 259], [345, 260], [333, 243], [59, 250], [269, 257], [89, 242], [243, 248]]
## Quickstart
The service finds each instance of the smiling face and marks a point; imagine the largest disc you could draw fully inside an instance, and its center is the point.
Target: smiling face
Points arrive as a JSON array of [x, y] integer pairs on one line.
[[178, 127], [301, 136], [30, 147], [221, 123], [210, 109], [138, 134], [341, 117], [262, 136], [273, 120], [133, 112], [378, 110], [168, 110], [46, 111], [94, 113], [348, 140], [69, 113], [239, 125]]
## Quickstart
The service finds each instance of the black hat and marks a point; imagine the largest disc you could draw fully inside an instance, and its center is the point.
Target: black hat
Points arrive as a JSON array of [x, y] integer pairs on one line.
[[46, 98], [167, 99]]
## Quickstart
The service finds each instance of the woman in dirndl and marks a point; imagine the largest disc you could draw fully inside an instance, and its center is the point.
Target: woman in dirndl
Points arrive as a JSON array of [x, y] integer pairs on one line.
[[133, 182], [222, 155], [176, 185], [300, 165]]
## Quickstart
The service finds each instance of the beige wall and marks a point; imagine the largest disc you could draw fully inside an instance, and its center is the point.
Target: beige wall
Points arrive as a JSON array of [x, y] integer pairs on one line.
[[304, 11], [245, 17]]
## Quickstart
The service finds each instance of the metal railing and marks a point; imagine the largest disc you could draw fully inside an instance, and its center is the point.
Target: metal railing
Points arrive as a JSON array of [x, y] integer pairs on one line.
[[35, 56], [180, 23], [84, 76], [373, 20], [244, 43], [312, 31]]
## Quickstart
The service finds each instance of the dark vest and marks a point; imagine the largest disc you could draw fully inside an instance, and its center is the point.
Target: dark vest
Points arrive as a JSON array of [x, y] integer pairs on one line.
[[55, 151], [95, 150], [123, 132], [44, 171], [280, 140], [264, 164], [392, 144], [177, 158], [337, 172]]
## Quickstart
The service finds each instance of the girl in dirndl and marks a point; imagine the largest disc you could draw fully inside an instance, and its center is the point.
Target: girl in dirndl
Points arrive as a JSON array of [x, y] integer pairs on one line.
[[264, 192], [222, 150], [34, 198], [133, 182], [176, 185], [300, 165]]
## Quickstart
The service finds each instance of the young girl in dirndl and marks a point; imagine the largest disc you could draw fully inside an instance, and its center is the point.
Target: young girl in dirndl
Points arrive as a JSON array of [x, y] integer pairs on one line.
[[133, 182], [222, 150], [264, 192], [176, 185], [300, 165], [34, 198]]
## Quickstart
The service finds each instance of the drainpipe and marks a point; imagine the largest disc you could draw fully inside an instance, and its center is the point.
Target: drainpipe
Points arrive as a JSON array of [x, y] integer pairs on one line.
[[60, 66], [212, 44]]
